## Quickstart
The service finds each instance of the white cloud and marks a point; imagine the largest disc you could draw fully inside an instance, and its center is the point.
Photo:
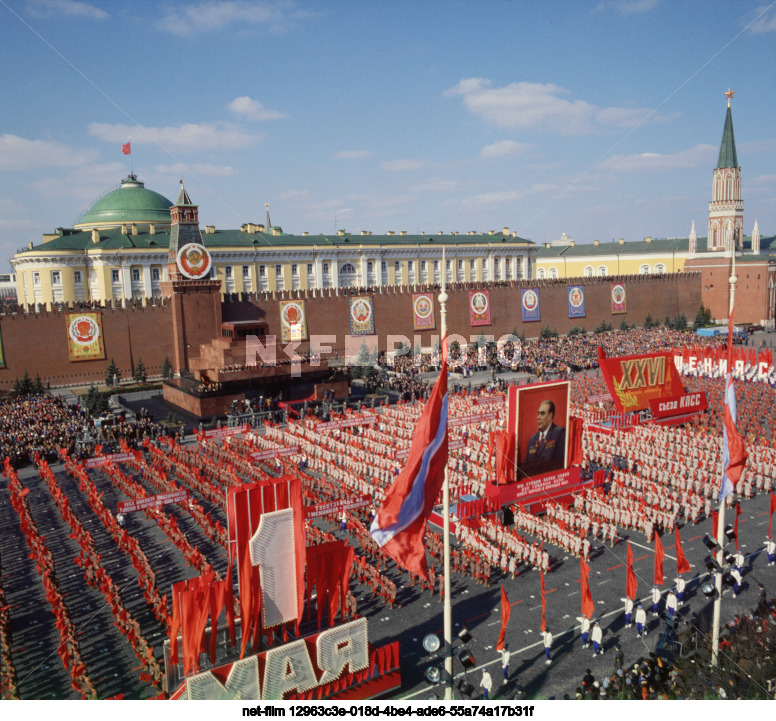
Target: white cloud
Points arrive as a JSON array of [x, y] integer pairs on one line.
[[765, 24], [18, 153], [657, 162], [192, 19], [354, 154], [402, 164], [537, 106], [436, 185], [193, 137], [181, 169], [84, 184], [253, 109], [72, 8], [496, 197], [503, 148], [628, 7], [293, 194]]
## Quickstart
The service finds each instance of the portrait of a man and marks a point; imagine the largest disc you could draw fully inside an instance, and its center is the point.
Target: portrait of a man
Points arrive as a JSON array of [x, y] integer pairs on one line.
[[546, 449]]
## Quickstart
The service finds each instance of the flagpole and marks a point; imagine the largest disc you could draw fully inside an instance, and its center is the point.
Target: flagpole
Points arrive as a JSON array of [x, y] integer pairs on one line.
[[448, 608], [131, 171], [720, 530]]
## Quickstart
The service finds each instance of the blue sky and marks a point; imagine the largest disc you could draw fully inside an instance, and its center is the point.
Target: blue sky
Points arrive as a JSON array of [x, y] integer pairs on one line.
[[598, 119]]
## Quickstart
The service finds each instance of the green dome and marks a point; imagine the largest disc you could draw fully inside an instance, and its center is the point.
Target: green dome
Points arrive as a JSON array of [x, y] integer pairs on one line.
[[130, 203]]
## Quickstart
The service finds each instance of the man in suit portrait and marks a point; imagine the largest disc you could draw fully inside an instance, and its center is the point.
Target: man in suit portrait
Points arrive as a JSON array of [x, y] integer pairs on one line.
[[546, 449]]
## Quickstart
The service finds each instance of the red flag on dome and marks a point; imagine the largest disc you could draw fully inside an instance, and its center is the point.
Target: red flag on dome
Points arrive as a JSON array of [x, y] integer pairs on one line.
[[126, 148]]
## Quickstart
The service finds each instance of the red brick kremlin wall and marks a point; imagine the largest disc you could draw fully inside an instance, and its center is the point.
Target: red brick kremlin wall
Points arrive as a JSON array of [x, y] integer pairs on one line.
[[38, 343]]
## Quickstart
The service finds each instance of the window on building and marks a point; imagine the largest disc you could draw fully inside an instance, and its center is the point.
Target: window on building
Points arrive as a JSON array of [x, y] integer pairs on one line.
[[246, 271], [114, 276], [496, 264], [348, 269], [436, 265], [472, 265], [326, 268], [262, 271], [136, 274], [589, 271], [460, 265], [422, 266], [228, 271], [540, 273], [449, 265], [553, 273], [278, 270], [56, 277], [660, 268], [77, 277], [156, 274], [644, 269], [294, 270], [397, 267], [384, 267], [602, 270], [370, 266], [309, 269], [410, 265]]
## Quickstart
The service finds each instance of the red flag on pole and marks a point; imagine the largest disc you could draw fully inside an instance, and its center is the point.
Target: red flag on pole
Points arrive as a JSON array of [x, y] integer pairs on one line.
[[126, 148], [734, 453], [682, 565], [631, 582], [544, 600], [588, 605], [659, 558], [714, 524], [400, 525], [772, 509], [506, 610], [735, 523]]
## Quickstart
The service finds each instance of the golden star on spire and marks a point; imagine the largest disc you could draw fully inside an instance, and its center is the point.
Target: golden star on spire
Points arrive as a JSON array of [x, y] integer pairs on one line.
[[729, 94]]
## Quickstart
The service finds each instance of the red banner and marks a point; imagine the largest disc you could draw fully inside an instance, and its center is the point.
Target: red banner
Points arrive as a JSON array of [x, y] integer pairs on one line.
[[542, 488], [226, 432], [275, 453], [98, 461], [324, 509], [476, 418], [678, 405], [634, 380], [160, 499], [486, 400], [479, 307], [346, 423]]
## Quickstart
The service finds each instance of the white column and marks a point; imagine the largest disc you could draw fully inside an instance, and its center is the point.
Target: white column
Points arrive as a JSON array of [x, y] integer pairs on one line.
[[318, 273], [147, 292], [364, 275], [334, 273], [126, 284]]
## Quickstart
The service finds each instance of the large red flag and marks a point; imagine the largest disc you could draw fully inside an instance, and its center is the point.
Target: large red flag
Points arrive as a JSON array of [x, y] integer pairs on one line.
[[631, 582], [682, 565], [544, 601], [126, 148], [770, 515], [588, 605], [400, 524], [506, 610], [659, 558]]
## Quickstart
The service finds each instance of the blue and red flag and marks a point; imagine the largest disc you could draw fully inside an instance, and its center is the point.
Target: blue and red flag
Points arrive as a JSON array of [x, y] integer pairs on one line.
[[733, 450], [400, 524]]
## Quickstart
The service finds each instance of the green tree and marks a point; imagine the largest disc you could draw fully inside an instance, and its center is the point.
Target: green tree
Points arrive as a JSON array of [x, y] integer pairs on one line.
[[166, 368], [574, 330], [111, 371], [648, 322], [603, 327], [37, 385], [700, 319], [139, 373], [96, 403], [22, 387], [623, 324]]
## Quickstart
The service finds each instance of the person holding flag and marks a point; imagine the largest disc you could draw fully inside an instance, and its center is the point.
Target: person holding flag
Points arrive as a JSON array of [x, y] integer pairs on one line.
[[770, 549]]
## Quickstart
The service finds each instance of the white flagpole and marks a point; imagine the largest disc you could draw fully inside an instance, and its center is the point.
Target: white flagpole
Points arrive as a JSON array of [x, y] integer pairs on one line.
[[448, 608], [720, 535]]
